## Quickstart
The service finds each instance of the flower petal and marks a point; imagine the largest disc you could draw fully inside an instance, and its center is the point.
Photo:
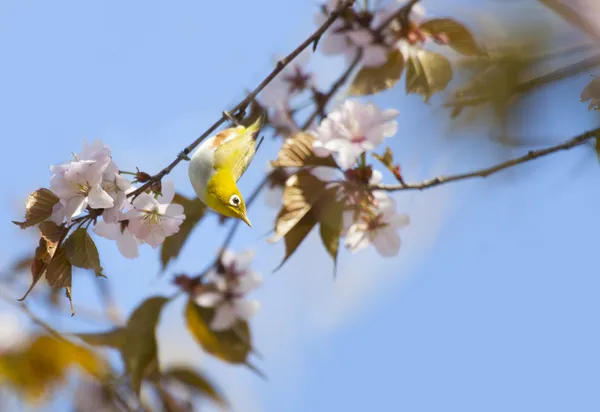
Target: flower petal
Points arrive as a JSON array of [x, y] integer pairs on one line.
[[208, 299], [107, 230], [249, 281], [224, 317], [99, 199], [128, 245], [245, 309], [387, 242]]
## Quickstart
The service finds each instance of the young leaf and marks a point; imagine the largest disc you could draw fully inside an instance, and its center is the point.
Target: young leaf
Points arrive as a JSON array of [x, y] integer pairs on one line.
[[297, 151], [297, 234], [81, 251], [51, 231], [231, 345], [459, 37], [196, 382], [330, 220], [194, 211], [371, 80], [59, 270], [301, 191], [427, 73], [387, 159], [136, 341], [38, 207], [43, 255]]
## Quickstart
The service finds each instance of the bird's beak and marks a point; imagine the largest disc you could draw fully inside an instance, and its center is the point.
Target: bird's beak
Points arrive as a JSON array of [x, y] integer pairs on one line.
[[245, 219]]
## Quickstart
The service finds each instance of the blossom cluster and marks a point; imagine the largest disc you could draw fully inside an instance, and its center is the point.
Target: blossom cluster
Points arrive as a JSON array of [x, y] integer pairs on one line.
[[92, 182], [224, 289]]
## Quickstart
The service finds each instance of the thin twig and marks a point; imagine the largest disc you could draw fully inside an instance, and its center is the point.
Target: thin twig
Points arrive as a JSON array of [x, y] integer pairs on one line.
[[531, 155], [240, 108]]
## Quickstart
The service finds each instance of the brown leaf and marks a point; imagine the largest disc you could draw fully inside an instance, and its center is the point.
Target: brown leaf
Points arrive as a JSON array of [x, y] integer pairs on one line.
[[51, 231], [330, 220], [387, 159], [81, 251], [43, 255], [194, 211], [294, 237], [136, 341], [231, 345], [459, 37], [371, 80], [38, 207], [301, 191], [196, 382], [297, 151], [427, 73], [59, 270]]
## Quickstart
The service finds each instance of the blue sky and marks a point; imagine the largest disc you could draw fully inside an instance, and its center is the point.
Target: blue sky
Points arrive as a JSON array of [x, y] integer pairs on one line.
[[492, 303]]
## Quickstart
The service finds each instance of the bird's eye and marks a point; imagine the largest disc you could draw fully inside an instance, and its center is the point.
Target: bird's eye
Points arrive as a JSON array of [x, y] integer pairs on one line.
[[234, 200]]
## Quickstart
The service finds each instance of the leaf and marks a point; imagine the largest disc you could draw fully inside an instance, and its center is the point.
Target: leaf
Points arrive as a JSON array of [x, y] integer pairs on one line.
[[330, 219], [597, 146], [231, 345], [136, 341], [38, 366], [297, 151], [196, 382], [38, 207], [194, 211], [59, 270], [427, 73], [301, 191], [51, 231], [43, 256], [387, 159], [459, 37], [371, 80], [81, 251], [294, 237]]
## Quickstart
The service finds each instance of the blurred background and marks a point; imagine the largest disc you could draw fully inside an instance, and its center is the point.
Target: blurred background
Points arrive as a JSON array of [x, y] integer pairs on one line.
[[492, 303]]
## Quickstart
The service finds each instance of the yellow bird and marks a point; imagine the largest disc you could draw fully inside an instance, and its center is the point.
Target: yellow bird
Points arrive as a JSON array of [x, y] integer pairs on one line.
[[217, 165]]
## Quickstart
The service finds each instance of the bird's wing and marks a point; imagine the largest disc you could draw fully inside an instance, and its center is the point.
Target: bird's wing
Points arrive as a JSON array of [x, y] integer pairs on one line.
[[236, 151]]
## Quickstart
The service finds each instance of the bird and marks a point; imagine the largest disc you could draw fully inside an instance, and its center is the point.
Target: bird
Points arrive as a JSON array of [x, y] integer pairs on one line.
[[217, 165]]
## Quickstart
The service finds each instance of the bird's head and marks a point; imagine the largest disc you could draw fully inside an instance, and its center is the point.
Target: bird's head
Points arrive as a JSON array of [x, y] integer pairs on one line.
[[223, 195]]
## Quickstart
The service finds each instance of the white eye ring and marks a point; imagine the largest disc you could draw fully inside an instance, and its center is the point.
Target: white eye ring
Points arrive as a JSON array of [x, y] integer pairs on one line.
[[234, 200]]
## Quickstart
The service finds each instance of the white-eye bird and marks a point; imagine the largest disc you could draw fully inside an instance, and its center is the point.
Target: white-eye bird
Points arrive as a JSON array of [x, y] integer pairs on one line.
[[217, 165]]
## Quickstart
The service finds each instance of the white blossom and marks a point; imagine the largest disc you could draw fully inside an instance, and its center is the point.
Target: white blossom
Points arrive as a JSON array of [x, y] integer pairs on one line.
[[78, 184], [379, 228], [91, 179], [151, 220], [226, 287], [291, 81], [127, 243], [591, 92], [352, 129]]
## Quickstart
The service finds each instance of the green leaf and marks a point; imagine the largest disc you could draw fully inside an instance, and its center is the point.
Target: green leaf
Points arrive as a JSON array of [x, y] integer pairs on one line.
[[427, 73], [194, 211], [82, 252], [371, 80], [459, 37], [297, 151], [231, 345], [196, 382], [136, 341], [38, 207], [330, 219]]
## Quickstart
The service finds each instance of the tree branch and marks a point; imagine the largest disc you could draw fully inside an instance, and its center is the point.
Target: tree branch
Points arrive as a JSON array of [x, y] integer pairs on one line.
[[240, 108], [531, 155], [402, 14]]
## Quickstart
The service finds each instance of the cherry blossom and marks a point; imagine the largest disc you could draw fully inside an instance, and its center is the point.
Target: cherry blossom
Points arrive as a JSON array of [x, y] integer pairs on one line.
[[591, 92], [378, 227], [291, 81], [352, 129], [127, 243], [91, 179], [226, 287], [78, 184], [151, 220]]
